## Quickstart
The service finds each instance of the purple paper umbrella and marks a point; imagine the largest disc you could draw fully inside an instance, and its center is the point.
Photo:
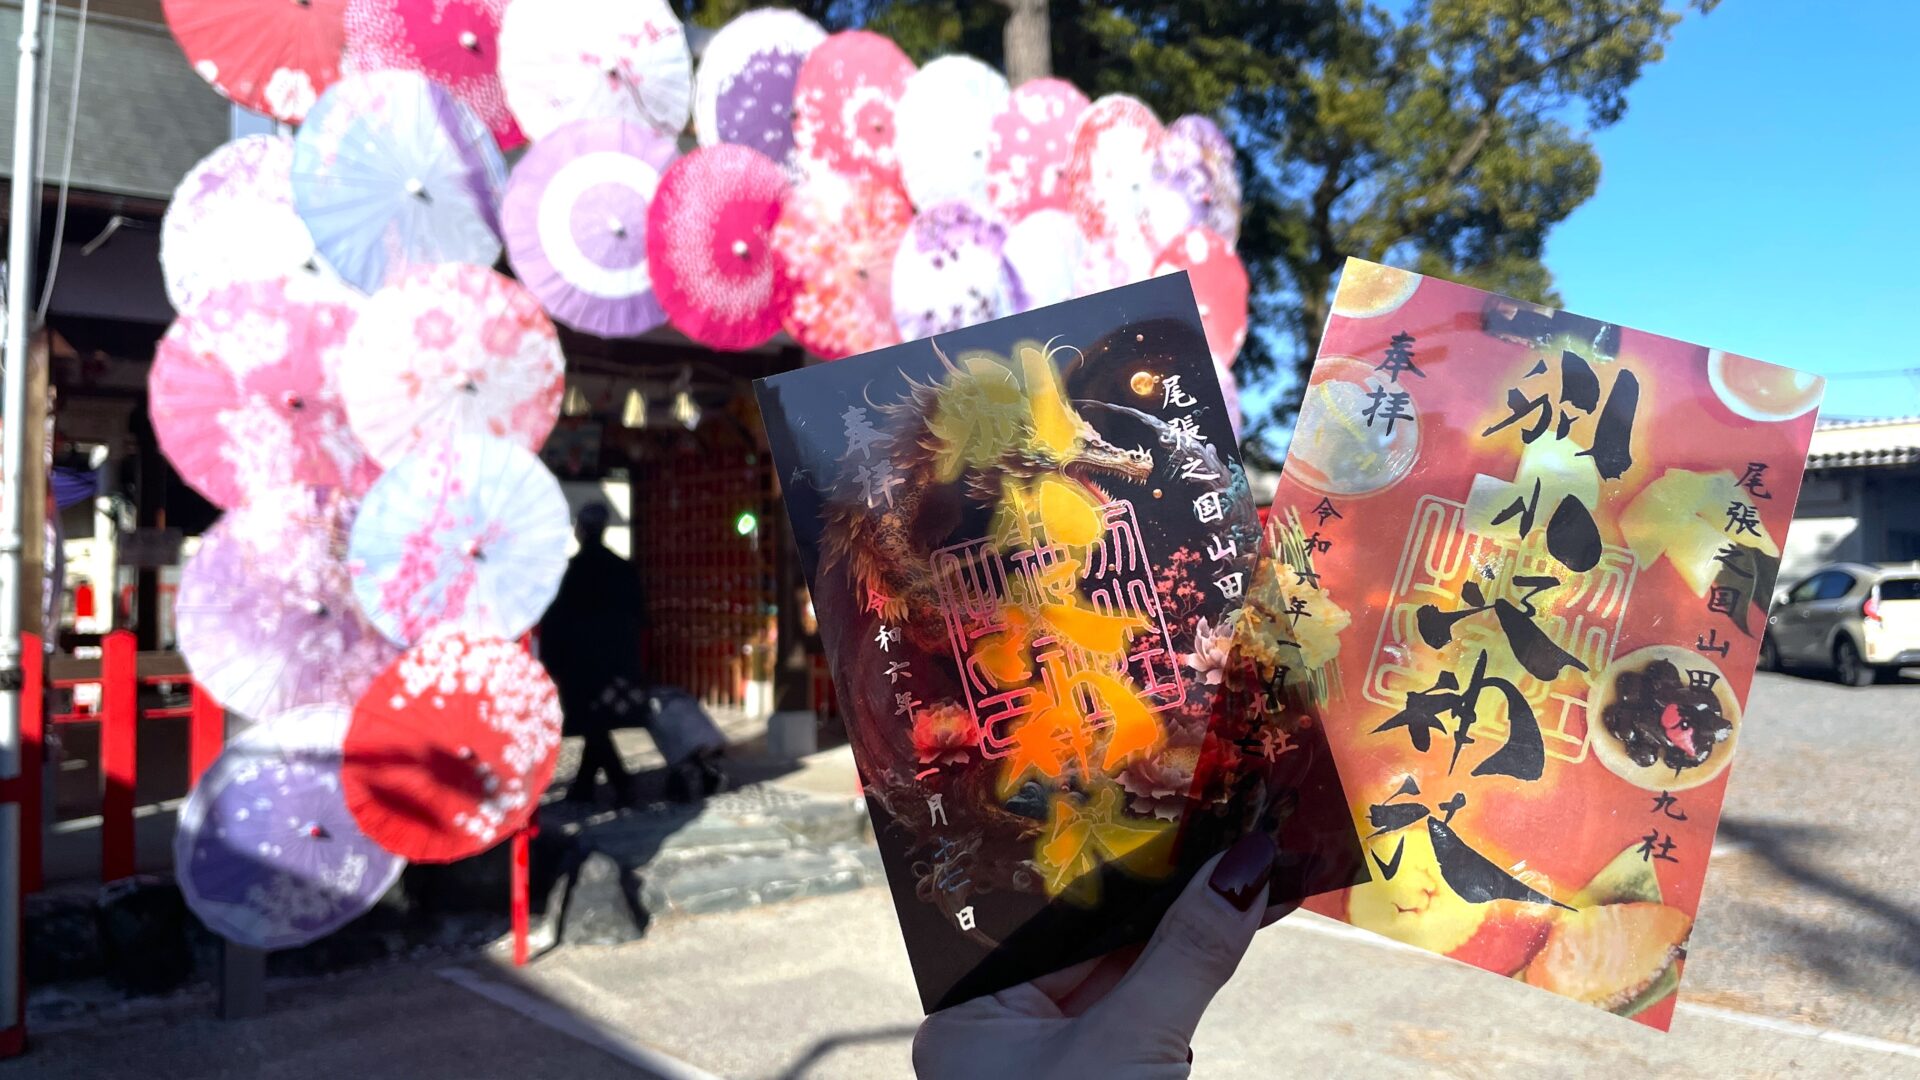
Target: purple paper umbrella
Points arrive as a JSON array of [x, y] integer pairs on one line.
[[743, 88], [575, 221], [950, 272], [266, 615], [267, 854], [1196, 163]]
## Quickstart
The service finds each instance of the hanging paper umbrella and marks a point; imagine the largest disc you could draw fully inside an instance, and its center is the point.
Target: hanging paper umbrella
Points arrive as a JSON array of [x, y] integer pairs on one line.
[[1108, 179], [843, 106], [949, 273], [710, 245], [448, 350], [391, 172], [270, 56], [265, 612], [266, 852], [232, 219], [452, 747], [1041, 251], [1220, 288], [1196, 162], [835, 242], [243, 392], [1031, 143], [566, 60], [471, 532], [575, 222], [943, 129], [452, 42], [743, 89]]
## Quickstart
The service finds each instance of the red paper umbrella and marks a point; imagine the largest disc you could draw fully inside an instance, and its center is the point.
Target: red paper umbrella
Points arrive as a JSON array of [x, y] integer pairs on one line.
[[451, 747], [271, 56], [709, 246], [452, 42], [835, 241], [844, 102], [1219, 287]]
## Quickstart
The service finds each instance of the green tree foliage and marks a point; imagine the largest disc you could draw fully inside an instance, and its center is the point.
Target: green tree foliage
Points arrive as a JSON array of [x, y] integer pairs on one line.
[[1445, 136]]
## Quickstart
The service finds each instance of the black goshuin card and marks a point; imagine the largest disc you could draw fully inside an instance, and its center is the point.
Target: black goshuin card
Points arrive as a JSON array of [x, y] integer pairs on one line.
[[1035, 564]]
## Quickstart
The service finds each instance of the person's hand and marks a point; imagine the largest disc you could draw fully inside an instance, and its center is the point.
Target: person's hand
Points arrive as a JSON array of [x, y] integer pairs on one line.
[[1129, 1015]]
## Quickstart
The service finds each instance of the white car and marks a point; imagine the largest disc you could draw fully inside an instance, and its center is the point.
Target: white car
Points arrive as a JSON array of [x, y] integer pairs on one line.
[[1860, 622]]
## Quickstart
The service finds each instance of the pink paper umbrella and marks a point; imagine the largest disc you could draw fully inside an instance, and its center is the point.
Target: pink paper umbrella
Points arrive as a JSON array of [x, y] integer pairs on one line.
[[844, 103], [1109, 180], [452, 42], [1031, 142], [266, 612], [950, 272], [449, 350], [567, 60], [271, 56], [575, 221], [1220, 288], [710, 246], [835, 241], [244, 392]]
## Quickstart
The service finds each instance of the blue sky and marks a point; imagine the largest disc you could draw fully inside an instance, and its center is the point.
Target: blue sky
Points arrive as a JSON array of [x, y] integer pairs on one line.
[[1762, 195]]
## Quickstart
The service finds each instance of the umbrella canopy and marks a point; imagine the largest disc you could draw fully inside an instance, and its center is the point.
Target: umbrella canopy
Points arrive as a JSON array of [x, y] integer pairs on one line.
[[575, 222], [1031, 142], [452, 42], [1220, 288], [566, 60], [943, 129], [391, 172], [948, 272], [710, 244], [448, 350], [835, 243], [471, 532], [270, 56], [266, 852], [1109, 177], [450, 750], [265, 613], [244, 394], [1042, 252], [743, 89], [232, 219], [1196, 162], [843, 106]]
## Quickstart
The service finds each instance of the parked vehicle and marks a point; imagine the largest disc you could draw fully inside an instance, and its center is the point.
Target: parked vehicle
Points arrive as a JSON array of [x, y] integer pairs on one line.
[[1862, 623]]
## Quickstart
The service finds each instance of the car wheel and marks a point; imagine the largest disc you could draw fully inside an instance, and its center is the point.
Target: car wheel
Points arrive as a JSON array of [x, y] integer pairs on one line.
[[1769, 654], [1848, 668]]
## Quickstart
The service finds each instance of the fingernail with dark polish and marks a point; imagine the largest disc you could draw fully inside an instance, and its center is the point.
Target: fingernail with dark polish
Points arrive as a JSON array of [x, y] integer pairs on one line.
[[1189, 1055], [1243, 874]]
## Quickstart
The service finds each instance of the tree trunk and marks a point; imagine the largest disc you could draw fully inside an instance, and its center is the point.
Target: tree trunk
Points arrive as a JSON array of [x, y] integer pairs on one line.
[[1029, 40]]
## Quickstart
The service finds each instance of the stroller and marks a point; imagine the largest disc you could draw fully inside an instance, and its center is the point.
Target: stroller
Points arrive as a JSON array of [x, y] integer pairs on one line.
[[691, 742]]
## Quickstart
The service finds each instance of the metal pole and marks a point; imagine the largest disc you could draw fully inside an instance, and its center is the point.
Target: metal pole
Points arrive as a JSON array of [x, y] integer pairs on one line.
[[21, 250]]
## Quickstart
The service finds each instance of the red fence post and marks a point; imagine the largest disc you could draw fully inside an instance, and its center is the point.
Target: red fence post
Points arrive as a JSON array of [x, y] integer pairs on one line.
[[33, 733], [206, 734], [119, 751]]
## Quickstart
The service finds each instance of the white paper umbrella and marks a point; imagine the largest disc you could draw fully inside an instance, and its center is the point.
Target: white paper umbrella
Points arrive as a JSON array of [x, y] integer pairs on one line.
[[1042, 251], [450, 350], [943, 129], [566, 60], [232, 220], [743, 89], [470, 533]]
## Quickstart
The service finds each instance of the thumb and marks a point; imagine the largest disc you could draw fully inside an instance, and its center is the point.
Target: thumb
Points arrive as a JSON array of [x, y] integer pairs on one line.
[[1194, 952]]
